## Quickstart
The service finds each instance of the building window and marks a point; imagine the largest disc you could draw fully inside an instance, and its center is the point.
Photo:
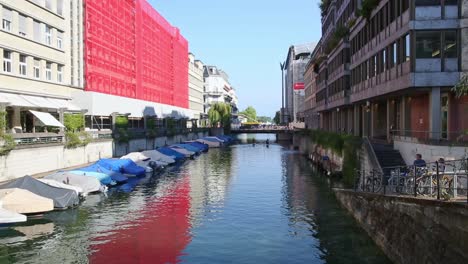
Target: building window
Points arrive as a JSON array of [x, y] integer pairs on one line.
[[48, 35], [395, 53], [48, 71], [48, 4], [37, 31], [37, 67], [450, 44], [59, 39], [407, 47], [7, 61], [60, 7], [384, 60], [23, 65], [6, 20], [427, 44], [427, 2], [59, 73], [22, 26]]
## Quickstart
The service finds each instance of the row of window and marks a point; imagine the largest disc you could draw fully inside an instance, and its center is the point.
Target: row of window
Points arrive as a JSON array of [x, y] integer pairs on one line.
[[341, 59], [435, 2], [41, 32], [49, 4], [383, 18], [396, 53], [339, 85], [22, 69]]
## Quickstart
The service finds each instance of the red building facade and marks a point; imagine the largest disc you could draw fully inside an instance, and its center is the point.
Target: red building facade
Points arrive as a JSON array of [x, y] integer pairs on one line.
[[132, 51]]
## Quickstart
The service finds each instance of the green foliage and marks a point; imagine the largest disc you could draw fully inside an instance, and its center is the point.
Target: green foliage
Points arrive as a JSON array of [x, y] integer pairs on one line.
[[277, 118], [338, 35], [317, 62], [7, 141], [73, 122], [121, 122], [264, 119], [323, 5], [367, 7], [171, 126], [220, 114], [461, 88], [74, 135], [343, 145], [250, 113], [151, 129]]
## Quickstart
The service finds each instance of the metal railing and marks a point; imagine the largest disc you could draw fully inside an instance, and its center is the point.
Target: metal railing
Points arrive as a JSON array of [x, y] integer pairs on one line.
[[443, 180], [27, 139]]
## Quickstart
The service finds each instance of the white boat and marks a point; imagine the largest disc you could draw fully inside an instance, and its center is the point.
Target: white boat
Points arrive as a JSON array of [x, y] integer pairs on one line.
[[87, 183], [159, 157], [217, 139], [57, 184], [9, 217], [141, 160], [25, 202], [211, 144]]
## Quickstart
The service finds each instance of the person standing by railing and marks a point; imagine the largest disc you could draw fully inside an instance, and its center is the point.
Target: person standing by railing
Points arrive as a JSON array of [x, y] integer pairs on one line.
[[419, 162]]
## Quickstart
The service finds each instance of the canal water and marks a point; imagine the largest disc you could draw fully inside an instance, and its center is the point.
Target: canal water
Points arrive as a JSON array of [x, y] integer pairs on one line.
[[242, 204]]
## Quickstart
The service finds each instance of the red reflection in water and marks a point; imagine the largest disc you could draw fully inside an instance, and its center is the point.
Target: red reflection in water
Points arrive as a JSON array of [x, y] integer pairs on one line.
[[158, 236]]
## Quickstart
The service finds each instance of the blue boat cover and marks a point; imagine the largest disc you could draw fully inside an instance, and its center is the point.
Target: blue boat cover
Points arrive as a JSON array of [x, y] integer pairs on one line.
[[122, 165], [200, 145], [170, 152], [189, 148], [115, 176]]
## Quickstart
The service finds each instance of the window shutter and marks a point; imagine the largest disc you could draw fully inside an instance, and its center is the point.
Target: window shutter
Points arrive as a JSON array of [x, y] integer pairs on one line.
[[22, 24], [37, 31], [7, 14]]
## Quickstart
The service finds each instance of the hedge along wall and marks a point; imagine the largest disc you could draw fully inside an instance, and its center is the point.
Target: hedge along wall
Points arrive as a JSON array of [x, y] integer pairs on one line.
[[345, 146]]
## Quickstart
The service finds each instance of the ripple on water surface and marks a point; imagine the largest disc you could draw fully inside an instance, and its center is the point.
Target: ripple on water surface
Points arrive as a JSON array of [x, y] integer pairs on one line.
[[244, 204]]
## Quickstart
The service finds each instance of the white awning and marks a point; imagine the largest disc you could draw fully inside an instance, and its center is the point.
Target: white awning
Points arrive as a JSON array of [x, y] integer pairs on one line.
[[37, 101], [46, 119], [14, 100]]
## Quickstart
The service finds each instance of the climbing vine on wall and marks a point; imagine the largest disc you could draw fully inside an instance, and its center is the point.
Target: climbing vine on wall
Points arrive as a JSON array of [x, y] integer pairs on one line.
[[7, 143]]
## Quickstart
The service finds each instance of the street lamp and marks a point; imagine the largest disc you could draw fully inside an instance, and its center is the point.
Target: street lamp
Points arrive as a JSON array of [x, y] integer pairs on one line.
[[282, 66]]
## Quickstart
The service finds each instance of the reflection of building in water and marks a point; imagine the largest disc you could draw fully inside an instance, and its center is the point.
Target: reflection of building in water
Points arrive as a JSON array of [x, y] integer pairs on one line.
[[300, 193], [158, 235], [210, 177]]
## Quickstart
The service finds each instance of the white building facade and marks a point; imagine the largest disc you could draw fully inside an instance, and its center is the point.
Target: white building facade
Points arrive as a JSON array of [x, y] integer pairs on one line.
[[196, 86], [218, 89], [41, 51]]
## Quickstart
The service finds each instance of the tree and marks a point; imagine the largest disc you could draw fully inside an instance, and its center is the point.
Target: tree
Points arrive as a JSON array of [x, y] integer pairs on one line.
[[250, 113], [220, 115], [277, 119], [264, 119]]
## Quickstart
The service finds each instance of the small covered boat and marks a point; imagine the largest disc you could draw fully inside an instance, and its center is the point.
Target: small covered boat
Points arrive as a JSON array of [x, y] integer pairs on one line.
[[126, 166], [106, 176], [210, 143], [213, 139], [187, 153], [143, 161], [8, 217], [88, 184], [25, 202], [170, 152], [189, 147], [200, 145], [57, 184], [159, 157], [63, 198]]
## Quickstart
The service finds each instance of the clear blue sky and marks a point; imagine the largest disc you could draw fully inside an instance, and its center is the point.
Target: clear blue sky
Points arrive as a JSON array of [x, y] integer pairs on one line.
[[247, 39]]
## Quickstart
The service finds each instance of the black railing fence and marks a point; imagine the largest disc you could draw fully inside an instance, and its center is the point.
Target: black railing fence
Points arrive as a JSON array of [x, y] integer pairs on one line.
[[442, 180]]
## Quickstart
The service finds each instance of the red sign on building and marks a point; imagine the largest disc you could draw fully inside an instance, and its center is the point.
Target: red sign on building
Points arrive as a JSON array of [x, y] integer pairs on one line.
[[299, 86], [132, 51]]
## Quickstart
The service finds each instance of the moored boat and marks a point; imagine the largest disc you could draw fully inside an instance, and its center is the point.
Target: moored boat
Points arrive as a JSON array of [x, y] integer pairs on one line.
[[88, 184], [63, 198], [25, 202]]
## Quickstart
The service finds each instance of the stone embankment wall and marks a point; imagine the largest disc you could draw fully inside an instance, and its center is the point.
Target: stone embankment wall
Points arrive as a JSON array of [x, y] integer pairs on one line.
[[305, 145], [411, 230], [38, 159], [135, 145], [41, 158]]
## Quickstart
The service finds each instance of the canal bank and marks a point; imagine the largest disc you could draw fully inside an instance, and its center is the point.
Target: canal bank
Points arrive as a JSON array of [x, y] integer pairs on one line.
[[407, 229], [243, 204]]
